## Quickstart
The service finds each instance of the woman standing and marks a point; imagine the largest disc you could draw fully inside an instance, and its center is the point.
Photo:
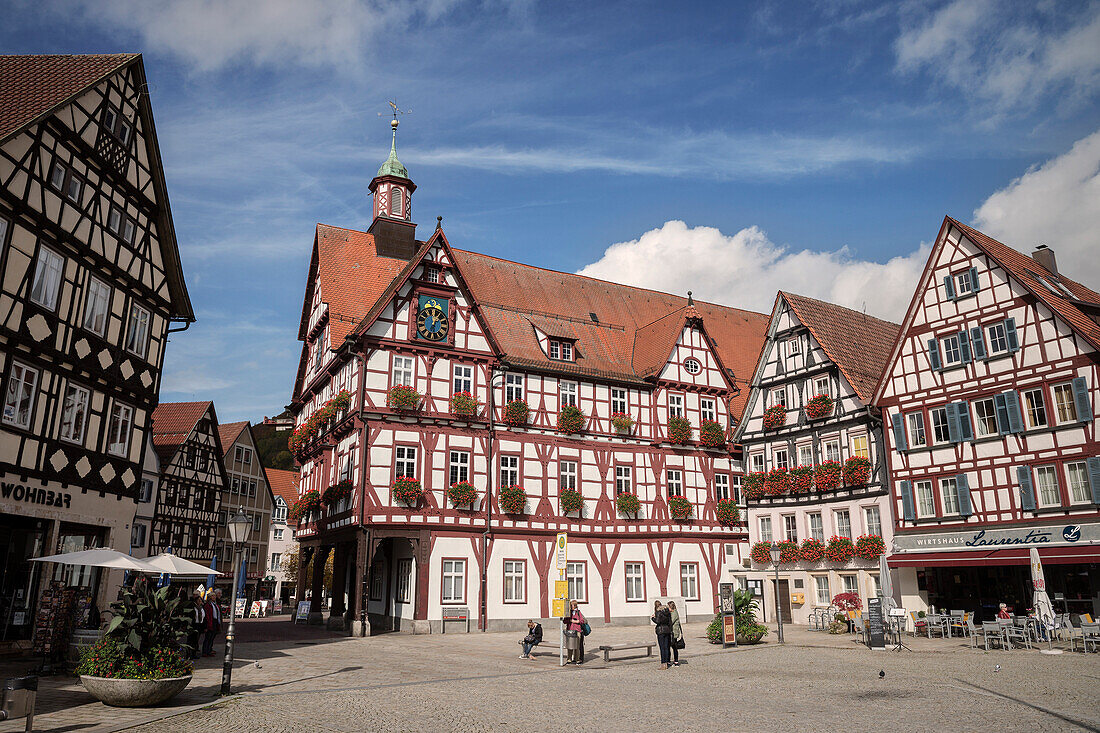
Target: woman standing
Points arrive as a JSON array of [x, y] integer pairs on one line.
[[574, 632], [677, 634], [663, 628]]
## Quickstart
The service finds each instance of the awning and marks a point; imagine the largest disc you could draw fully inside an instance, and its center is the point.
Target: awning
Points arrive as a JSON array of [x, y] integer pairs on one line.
[[1062, 555]]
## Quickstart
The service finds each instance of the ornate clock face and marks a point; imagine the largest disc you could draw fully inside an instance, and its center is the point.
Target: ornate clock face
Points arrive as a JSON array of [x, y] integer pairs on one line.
[[431, 322]]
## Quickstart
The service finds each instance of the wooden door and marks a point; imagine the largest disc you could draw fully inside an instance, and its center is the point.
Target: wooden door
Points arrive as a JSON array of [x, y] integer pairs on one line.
[[784, 591]]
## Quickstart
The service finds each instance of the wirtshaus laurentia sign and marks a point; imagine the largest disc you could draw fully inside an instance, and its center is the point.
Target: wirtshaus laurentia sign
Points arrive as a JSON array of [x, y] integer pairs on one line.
[[986, 538]]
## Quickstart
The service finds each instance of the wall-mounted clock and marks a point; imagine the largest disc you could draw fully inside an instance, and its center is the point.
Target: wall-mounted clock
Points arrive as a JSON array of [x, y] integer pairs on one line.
[[431, 319]]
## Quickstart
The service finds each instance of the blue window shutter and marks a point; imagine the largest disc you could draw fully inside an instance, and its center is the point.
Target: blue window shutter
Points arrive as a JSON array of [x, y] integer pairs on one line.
[[966, 431], [977, 343], [934, 353], [899, 432], [952, 423], [1015, 417], [964, 346], [1081, 397], [1027, 491], [908, 513], [1010, 334], [965, 507], [974, 279], [1000, 408], [949, 286], [1094, 479]]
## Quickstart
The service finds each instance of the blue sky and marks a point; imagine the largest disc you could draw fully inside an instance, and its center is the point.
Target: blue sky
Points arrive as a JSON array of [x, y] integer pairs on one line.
[[727, 148]]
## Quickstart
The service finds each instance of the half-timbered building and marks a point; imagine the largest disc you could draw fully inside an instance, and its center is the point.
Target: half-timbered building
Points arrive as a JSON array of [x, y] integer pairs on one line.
[[247, 489], [189, 512], [808, 419], [91, 283], [990, 395], [284, 485], [451, 367]]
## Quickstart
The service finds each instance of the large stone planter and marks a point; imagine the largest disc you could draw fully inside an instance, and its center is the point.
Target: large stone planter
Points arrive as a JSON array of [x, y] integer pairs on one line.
[[747, 639], [121, 693]]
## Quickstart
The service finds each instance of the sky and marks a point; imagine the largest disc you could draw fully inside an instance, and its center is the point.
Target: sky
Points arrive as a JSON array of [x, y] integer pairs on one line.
[[731, 149]]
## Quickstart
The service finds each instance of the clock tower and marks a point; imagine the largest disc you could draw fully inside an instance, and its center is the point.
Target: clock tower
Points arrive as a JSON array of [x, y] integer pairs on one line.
[[393, 229]]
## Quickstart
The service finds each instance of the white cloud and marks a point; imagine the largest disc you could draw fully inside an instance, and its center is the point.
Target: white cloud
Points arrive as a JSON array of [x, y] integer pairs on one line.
[[746, 269], [1011, 55], [1057, 204]]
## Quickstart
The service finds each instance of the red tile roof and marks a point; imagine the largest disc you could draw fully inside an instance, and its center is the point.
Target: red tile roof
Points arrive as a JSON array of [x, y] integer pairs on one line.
[[33, 86], [284, 484], [229, 432], [173, 422], [858, 344]]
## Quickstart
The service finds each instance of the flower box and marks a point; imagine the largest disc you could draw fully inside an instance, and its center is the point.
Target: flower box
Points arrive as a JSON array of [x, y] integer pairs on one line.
[[403, 397], [679, 430], [680, 508], [840, 549], [516, 413], [870, 546], [570, 420], [623, 423], [628, 503], [712, 434], [857, 471], [571, 501], [336, 492], [827, 476], [308, 503], [761, 553], [754, 485], [777, 482], [802, 479], [462, 493], [812, 550], [818, 406], [513, 499], [463, 404], [302, 435], [775, 417], [789, 552], [407, 490], [728, 512]]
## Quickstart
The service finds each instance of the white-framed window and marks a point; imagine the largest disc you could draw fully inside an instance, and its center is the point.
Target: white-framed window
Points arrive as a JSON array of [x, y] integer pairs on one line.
[[97, 302], [137, 330], [860, 446], [404, 577], [940, 432], [873, 585], [454, 581], [509, 470], [689, 581], [817, 528], [757, 460], [821, 590], [806, 455], [513, 387], [48, 270], [74, 413], [463, 378], [515, 581], [119, 428], [851, 584], [403, 372], [567, 475], [822, 385], [618, 400], [278, 512], [57, 175], [949, 492], [790, 527], [1065, 408], [624, 479], [560, 350], [433, 273], [74, 188], [917, 438], [998, 338], [404, 462], [137, 535], [675, 479], [779, 458], [120, 225], [1035, 408], [985, 417], [794, 346], [277, 533], [460, 466], [1046, 484], [765, 529], [872, 520], [574, 576], [145, 495], [692, 366], [1077, 479], [243, 455], [831, 449], [926, 503], [721, 486], [843, 522], [567, 393], [952, 354], [708, 409], [779, 396], [635, 580], [675, 405], [277, 559], [735, 489], [963, 285]]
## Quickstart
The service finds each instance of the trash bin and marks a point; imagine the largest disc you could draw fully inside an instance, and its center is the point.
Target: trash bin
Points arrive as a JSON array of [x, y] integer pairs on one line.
[[18, 699]]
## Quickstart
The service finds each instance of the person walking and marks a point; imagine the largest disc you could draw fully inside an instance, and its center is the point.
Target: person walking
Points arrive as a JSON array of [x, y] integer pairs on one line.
[[662, 620], [575, 624], [198, 619], [212, 623], [533, 638], [677, 634]]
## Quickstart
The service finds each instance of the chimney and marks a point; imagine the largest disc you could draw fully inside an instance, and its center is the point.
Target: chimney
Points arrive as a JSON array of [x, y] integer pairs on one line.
[[1044, 255]]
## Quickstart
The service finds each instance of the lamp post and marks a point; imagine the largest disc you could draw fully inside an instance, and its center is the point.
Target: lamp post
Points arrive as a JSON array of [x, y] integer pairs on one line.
[[239, 528], [775, 552]]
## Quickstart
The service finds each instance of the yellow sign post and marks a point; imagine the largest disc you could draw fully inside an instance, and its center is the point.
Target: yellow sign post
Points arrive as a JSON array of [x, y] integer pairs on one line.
[[561, 590]]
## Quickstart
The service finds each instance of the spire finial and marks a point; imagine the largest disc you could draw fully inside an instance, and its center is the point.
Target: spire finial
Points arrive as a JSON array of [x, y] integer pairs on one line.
[[393, 166], [690, 301], [438, 223]]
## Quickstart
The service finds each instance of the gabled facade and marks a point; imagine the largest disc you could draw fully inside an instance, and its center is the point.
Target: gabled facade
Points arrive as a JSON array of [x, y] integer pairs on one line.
[[381, 312], [990, 395], [816, 354], [284, 485], [247, 488], [91, 282]]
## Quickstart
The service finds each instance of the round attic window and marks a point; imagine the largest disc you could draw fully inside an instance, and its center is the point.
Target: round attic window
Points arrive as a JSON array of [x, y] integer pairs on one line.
[[692, 366]]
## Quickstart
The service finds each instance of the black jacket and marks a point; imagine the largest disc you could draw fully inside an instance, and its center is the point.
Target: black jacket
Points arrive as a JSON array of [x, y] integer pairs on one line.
[[534, 636], [663, 619]]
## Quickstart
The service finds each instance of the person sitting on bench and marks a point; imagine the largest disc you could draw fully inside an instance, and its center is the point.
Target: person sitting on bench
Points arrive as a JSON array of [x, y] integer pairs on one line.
[[533, 638]]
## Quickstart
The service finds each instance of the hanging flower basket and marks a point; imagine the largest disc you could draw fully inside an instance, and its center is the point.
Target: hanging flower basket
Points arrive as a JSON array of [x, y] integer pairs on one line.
[[870, 546], [679, 430], [712, 434], [463, 404], [513, 499], [403, 397], [515, 413], [802, 479], [761, 553], [775, 417], [308, 503], [680, 508], [840, 549], [628, 503], [462, 493], [322, 416], [407, 490], [754, 485], [622, 423], [777, 482], [857, 471], [571, 501], [827, 476], [789, 552], [812, 550], [336, 492], [728, 512], [819, 406], [570, 420]]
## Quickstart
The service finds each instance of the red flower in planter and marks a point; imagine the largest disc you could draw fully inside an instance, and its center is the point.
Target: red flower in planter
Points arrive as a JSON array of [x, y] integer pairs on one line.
[[857, 471], [728, 512], [308, 503], [571, 501], [312, 426], [788, 552], [777, 482], [761, 553], [462, 493], [847, 602], [812, 550], [680, 508], [775, 417], [570, 420], [336, 492], [622, 422], [403, 397], [870, 546], [628, 503], [679, 430], [711, 434], [754, 485], [464, 404], [513, 499], [840, 549], [802, 479], [827, 476], [407, 490], [515, 413], [819, 406]]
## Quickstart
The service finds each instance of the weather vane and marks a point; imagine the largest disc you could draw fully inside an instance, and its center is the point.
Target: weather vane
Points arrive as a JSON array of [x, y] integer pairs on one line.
[[395, 111]]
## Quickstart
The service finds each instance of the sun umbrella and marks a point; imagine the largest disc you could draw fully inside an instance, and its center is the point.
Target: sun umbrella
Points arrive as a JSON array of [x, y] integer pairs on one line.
[[1040, 601], [885, 583], [175, 565], [102, 557]]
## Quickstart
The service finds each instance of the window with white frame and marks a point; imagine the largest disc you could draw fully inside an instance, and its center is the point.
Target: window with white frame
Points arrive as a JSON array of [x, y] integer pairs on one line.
[[1046, 483], [707, 409], [831, 449], [963, 285], [860, 446], [567, 475], [689, 581], [674, 479], [692, 365], [872, 520], [404, 463], [1035, 408], [952, 354], [74, 188], [779, 396], [574, 576], [985, 418], [765, 529], [509, 470], [917, 438], [806, 455], [843, 521], [277, 534], [97, 302], [277, 560], [822, 385], [48, 268], [567, 393], [402, 373], [998, 338], [618, 400], [74, 413], [1065, 408], [757, 462], [635, 581], [949, 493], [137, 330], [940, 432], [278, 513], [624, 479], [560, 350], [433, 273], [821, 590], [1077, 479], [463, 379], [790, 527], [137, 535], [396, 209], [926, 503], [675, 405], [515, 581], [735, 488], [779, 457], [120, 225], [404, 580], [57, 175], [794, 346], [721, 486], [851, 584], [513, 387], [817, 529], [119, 428], [873, 585], [459, 466], [454, 581], [145, 495]]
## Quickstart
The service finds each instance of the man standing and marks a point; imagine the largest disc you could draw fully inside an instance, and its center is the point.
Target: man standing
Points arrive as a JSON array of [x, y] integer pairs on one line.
[[213, 622]]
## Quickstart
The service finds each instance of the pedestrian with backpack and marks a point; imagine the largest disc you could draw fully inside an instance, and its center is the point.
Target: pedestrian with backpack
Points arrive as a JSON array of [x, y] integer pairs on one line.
[[576, 628], [677, 634], [662, 627]]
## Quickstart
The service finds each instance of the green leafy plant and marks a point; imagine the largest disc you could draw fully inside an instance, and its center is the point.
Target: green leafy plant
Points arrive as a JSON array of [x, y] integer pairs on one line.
[[571, 501], [802, 479], [326, 413], [728, 512], [570, 420], [857, 471], [464, 404], [628, 503], [840, 549], [336, 492], [109, 658], [513, 499], [516, 413], [754, 485], [777, 482], [788, 552], [403, 397], [679, 430], [462, 493], [712, 434], [870, 546], [680, 508], [819, 406], [407, 490], [761, 553], [827, 476], [147, 618], [775, 417], [623, 422], [812, 550]]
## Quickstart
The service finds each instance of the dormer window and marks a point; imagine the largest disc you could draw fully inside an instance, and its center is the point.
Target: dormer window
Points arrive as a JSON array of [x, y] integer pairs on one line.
[[692, 366], [560, 350]]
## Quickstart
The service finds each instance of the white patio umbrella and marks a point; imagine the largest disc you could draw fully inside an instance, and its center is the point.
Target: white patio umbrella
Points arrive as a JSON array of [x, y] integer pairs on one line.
[[1040, 601], [885, 583], [166, 562], [102, 557]]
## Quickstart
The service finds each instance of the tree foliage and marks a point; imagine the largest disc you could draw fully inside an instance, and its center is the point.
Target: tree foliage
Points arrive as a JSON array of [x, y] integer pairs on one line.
[[290, 568]]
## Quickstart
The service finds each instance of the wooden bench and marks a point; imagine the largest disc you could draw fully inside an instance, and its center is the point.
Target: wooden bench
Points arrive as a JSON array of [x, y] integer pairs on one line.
[[608, 648]]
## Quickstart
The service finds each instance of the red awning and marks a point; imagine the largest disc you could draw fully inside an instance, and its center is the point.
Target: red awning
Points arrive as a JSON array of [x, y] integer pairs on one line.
[[1062, 555]]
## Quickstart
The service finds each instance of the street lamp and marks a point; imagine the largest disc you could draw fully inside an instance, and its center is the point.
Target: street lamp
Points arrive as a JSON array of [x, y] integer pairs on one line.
[[240, 527], [775, 552]]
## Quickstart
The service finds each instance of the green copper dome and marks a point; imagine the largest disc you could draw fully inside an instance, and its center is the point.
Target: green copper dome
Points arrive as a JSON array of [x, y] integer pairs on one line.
[[392, 166]]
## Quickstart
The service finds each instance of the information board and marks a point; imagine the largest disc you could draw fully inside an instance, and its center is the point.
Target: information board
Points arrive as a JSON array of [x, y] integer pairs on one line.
[[562, 550], [725, 595], [729, 629], [876, 629], [303, 611], [242, 606], [255, 609]]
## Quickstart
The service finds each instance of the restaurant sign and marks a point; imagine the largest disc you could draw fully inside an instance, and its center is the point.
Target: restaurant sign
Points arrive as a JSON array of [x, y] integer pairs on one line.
[[35, 495], [997, 538]]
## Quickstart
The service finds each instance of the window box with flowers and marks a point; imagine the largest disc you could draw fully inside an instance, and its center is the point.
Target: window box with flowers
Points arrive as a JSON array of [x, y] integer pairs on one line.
[[827, 476], [516, 413], [812, 550], [679, 430], [802, 479], [627, 503], [571, 501], [819, 406], [775, 417], [712, 434], [840, 549], [680, 508], [788, 552], [857, 471], [407, 490], [570, 420], [623, 423], [462, 493], [761, 553], [332, 411], [464, 404], [337, 492], [870, 546], [513, 499], [777, 482], [403, 397], [754, 485], [729, 513], [307, 504]]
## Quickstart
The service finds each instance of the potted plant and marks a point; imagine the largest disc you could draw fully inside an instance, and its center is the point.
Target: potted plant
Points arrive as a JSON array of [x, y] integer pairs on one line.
[[775, 417], [321, 417], [142, 657], [827, 476], [462, 493], [802, 479], [513, 499], [308, 503], [754, 485], [570, 420], [407, 490], [515, 413], [627, 503], [712, 434], [748, 630], [840, 549], [679, 430], [761, 553], [819, 406], [403, 397], [464, 404], [812, 550], [845, 603], [571, 501], [788, 552], [870, 546], [777, 482], [728, 512], [622, 423], [680, 508], [336, 492], [857, 471]]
